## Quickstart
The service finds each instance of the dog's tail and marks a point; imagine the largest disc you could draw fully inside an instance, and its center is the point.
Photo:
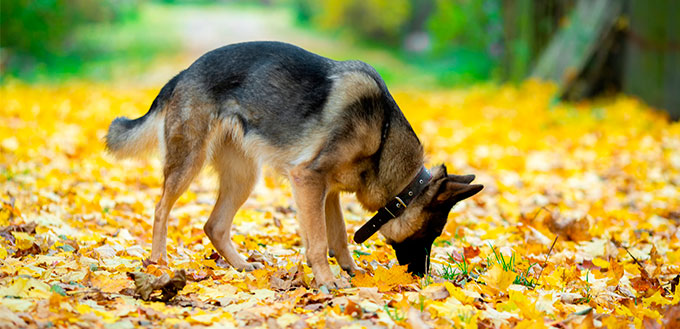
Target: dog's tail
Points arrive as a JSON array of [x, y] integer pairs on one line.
[[128, 138]]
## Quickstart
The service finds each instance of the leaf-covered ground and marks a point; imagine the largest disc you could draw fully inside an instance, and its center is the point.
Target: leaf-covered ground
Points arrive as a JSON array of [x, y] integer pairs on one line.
[[577, 225]]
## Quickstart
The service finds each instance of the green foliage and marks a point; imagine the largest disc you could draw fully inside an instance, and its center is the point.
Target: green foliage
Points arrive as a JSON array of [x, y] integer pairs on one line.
[[40, 28], [96, 40], [587, 296], [465, 36], [500, 260], [381, 20], [473, 24], [58, 289], [394, 313], [452, 272], [522, 278], [459, 272]]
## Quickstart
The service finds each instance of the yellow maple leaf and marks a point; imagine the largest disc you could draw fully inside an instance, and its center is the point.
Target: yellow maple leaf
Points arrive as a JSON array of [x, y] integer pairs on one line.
[[22, 287], [499, 279], [363, 280], [202, 317], [612, 322], [110, 283], [526, 306], [384, 279], [656, 299], [23, 240], [531, 324], [458, 293]]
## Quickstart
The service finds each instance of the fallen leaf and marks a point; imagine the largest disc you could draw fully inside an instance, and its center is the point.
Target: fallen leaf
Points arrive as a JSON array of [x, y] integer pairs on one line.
[[354, 310], [674, 283], [573, 229], [499, 279], [615, 272], [436, 292], [415, 319], [470, 252], [146, 284], [671, 318], [23, 240], [646, 284], [9, 319], [384, 279], [370, 293]]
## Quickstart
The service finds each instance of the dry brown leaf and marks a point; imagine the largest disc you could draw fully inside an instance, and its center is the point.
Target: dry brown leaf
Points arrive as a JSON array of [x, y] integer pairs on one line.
[[371, 293], [146, 284], [354, 310], [645, 283], [470, 252], [415, 319], [671, 318], [573, 229], [615, 272], [435, 292]]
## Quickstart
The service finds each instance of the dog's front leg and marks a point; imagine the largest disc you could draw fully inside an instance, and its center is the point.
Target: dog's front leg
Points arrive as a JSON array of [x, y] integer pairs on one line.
[[309, 190], [337, 234]]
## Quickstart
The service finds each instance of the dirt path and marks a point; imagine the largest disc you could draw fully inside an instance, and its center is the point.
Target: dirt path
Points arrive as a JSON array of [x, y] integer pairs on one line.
[[202, 29]]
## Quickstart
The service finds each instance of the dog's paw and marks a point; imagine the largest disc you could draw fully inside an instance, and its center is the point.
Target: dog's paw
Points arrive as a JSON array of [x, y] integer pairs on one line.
[[248, 267], [335, 283], [353, 269], [254, 266], [349, 266]]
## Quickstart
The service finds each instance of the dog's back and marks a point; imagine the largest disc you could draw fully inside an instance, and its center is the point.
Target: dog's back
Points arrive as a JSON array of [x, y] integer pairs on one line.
[[280, 103], [276, 90]]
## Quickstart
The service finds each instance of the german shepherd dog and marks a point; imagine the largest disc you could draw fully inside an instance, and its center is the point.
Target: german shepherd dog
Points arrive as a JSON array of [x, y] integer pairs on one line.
[[329, 126]]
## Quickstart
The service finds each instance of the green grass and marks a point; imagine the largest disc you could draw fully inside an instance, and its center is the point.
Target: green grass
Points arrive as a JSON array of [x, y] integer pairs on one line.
[[587, 297], [458, 269], [522, 278], [394, 313], [459, 272], [103, 51]]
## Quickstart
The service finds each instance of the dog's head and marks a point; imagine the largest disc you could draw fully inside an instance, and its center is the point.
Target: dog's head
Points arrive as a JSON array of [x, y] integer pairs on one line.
[[412, 234]]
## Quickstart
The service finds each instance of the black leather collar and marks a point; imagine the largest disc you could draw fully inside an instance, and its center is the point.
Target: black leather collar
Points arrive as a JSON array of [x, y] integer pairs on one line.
[[395, 207]]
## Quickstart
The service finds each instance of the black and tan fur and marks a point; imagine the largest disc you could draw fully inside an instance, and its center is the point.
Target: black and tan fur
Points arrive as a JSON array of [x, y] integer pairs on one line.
[[328, 126]]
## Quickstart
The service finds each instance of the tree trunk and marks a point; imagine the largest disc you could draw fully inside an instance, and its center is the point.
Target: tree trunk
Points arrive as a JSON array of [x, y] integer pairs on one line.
[[652, 64]]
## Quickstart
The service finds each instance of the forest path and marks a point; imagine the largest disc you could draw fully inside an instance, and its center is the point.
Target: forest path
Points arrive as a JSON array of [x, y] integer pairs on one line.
[[204, 28]]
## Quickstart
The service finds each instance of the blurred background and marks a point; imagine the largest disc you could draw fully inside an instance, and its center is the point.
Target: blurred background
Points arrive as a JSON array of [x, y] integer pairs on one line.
[[587, 48]]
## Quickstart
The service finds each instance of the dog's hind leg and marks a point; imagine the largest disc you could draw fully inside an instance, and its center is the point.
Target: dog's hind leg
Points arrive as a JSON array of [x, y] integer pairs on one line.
[[238, 174], [336, 234], [185, 153]]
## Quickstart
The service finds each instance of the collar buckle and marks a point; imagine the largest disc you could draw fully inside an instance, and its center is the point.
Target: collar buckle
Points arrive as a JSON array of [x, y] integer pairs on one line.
[[400, 202], [395, 207]]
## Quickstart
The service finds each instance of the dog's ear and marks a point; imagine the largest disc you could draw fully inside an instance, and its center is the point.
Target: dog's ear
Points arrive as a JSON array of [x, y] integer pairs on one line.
[[443, 166], [456, 189], [463, 179]]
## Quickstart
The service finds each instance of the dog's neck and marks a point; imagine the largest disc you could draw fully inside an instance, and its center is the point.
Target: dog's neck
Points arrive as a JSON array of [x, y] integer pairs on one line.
[[401, 159]]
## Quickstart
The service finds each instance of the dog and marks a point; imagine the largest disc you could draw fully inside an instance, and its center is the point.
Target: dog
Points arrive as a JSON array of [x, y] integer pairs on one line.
[[328, 126]]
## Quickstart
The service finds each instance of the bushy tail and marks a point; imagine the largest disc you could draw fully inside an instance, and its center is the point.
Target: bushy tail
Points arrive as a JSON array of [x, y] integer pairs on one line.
[[131, 138]]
